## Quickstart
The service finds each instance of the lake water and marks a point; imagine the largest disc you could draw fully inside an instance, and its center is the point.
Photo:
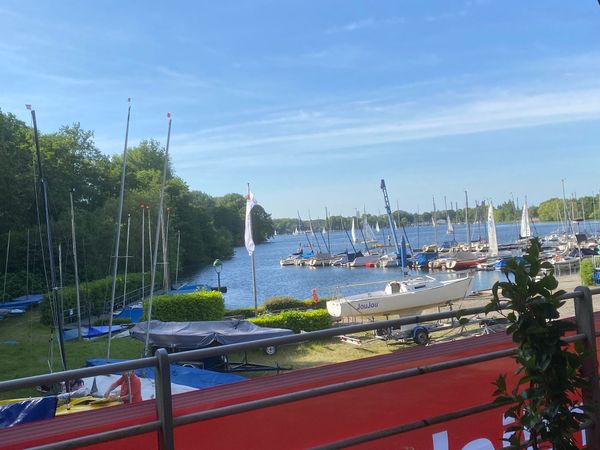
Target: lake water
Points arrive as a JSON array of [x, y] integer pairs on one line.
[[273, 280]]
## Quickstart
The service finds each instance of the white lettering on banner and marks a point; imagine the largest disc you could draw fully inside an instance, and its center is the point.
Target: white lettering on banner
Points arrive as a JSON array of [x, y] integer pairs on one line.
[[442, 442]]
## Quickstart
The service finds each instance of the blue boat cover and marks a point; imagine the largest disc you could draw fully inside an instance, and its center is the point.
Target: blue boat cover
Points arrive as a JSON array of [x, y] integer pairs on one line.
[[187, 376], [23, 302], [27, 411], [194, 335], [92, 332], [134, 313]]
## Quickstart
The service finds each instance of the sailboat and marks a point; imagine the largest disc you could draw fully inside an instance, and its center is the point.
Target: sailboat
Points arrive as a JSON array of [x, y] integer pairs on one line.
[[491, 229], [401, 297], [368, 231], [377, 229], [353, 232], [525, 230]]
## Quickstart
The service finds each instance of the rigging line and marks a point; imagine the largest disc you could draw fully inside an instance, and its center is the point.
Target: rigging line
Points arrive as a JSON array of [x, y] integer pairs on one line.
[[39, 223]]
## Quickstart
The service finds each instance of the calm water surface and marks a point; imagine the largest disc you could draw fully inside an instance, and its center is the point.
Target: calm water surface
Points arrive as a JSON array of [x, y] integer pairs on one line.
[[272, 279]]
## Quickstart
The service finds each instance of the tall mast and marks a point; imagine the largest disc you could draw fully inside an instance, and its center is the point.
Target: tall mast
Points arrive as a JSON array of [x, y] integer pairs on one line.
[[156, 237], [143, 208], [567, 221], [467, 220], [75, 264], [53, 286], [177, 257], [118, 238], [6, 266], [126, 260], [434, 221]]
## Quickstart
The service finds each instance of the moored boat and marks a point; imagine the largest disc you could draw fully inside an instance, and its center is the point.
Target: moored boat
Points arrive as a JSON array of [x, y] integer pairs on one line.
[[410, 296]]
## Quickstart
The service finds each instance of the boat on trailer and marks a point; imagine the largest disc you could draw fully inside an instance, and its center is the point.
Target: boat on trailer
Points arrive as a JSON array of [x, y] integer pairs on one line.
[[410, 296]]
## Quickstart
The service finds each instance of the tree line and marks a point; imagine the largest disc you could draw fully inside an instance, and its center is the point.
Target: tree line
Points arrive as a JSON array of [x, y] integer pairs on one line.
[[554, 209], [200, 226]]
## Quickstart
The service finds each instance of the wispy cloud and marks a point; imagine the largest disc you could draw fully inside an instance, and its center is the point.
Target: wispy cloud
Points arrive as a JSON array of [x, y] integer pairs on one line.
[[365, 23], [309, 135]]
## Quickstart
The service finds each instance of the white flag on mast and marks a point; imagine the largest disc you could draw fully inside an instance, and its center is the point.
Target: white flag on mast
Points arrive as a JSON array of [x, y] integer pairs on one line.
[[250, 202]]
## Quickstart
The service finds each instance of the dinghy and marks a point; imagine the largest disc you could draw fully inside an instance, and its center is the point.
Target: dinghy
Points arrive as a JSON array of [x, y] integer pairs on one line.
[[404, 297]]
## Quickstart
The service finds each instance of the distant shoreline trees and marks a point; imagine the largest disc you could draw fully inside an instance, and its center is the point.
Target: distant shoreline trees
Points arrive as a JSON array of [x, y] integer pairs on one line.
[[552, 210]]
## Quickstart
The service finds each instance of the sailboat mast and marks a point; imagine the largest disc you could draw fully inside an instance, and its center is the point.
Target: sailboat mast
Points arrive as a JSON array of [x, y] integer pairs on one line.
[[347, 235], [53, 286], [126, 260], [418, 227], [467, 220], [75, 266], [312, 231], [143, 208], [567, 221], [434, 222], [177, 257], [328, 229], [118, 237], [6, 266], [156, 237]]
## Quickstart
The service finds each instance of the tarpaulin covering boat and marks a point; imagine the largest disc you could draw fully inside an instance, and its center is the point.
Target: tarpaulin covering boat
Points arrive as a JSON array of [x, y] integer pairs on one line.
[[194, 335]]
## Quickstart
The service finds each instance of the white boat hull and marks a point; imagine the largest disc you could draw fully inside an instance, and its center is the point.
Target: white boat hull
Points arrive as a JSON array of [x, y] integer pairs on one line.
[[415, 296], [365, 260]]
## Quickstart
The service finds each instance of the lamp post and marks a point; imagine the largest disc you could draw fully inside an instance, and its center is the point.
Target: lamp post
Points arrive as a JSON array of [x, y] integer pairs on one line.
[[218, 265]]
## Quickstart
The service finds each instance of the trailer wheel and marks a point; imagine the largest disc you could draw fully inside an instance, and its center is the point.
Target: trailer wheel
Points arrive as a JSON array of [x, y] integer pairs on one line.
[[270, 350], [421, 336]]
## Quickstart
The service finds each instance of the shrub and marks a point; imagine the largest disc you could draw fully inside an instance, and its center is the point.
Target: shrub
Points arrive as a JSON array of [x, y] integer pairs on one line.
[[246, 313], [94, 295], [274, 304], [194, 306], [311, 304], [587, 272], [296, 320]]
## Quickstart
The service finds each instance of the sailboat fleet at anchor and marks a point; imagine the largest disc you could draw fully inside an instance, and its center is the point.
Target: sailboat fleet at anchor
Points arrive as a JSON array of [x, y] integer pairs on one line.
[[413, 295]]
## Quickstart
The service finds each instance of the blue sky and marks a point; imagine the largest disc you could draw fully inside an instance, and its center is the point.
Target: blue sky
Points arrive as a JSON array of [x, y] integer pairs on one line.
[[313, 102]]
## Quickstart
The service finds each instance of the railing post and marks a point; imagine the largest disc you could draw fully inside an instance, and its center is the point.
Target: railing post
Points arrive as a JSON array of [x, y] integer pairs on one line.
[[164, 405], [584, 315]]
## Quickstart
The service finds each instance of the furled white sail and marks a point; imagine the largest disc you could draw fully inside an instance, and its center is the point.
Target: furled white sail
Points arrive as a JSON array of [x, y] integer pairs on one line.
[[525, 228], [491, 226], [449, 226], [353, 232]]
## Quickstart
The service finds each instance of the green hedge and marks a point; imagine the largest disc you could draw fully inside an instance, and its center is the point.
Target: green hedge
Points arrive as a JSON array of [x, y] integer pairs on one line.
[[296, 320], [587, 272], [94, 295], [275, 304], [246, 313], [194, 306]]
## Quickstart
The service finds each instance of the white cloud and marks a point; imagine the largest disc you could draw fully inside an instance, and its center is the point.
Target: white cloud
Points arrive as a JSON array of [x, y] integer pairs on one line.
[[338, 130], [365, 23]]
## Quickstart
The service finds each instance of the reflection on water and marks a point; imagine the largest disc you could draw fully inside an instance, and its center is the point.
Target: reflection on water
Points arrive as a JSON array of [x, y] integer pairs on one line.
[[272, 279]]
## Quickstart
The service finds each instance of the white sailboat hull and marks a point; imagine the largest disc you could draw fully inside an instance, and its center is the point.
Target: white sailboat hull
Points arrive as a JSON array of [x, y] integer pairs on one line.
[[404, 297], [365, 260]]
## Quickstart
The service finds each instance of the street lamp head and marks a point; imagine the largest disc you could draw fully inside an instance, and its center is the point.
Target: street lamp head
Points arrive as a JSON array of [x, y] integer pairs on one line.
[[217, 265]]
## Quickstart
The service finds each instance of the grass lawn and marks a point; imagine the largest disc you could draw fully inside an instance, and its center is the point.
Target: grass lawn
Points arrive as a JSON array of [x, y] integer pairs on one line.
[[30, 354]]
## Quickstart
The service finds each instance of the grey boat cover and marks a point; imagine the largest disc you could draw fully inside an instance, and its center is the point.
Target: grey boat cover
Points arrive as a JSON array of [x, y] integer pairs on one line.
[[194, 335]]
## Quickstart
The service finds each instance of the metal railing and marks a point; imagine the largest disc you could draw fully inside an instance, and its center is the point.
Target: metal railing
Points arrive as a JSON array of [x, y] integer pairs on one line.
[[161, 361]]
